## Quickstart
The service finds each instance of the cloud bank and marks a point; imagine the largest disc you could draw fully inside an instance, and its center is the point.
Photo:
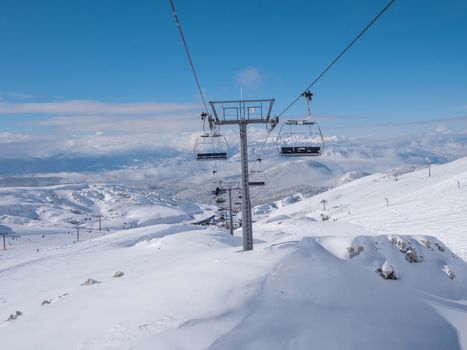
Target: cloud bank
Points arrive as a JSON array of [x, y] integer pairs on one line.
[[79, 128], [87, 127], [90, 107]]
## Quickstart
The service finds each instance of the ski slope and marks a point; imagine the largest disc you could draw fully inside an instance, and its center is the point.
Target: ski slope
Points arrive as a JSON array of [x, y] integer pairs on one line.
[[309, 284], [417, 205]]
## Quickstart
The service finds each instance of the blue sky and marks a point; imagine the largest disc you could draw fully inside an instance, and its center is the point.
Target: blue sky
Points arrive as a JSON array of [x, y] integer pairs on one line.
[[125, 61]]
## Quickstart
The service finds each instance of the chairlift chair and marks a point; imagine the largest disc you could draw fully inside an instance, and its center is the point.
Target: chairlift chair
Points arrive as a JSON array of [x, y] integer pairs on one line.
[[217, 185], [217, 189], [257, 177], [211, 146], [301, 137], [220, 200]]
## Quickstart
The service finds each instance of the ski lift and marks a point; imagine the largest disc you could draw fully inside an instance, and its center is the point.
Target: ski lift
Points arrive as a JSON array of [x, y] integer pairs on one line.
[[218, 190], [219, 195], [257, 177], [220, 200], [217, 185], [301, 137], [211, 146]]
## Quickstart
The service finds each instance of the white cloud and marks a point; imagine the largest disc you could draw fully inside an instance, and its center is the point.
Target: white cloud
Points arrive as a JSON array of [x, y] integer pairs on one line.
[[405, 124], [90, 107], [442, 129], [46, 145], [249, 77], [122, 123], [14, 95], [98, 128]]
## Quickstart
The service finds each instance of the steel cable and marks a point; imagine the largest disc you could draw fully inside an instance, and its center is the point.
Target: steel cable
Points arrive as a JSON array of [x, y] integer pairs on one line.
[[329, 66]]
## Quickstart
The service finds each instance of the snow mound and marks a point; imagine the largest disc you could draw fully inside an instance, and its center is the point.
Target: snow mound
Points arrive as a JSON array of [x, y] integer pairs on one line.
[[310, 293], [427, 273]]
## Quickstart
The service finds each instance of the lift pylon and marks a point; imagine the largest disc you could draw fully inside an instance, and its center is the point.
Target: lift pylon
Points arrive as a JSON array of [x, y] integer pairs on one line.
[[229, 187], [242, 113]]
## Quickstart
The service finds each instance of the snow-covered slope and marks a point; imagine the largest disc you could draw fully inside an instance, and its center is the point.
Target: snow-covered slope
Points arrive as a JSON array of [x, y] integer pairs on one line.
[[416, 204], [57, 209], [184, 288], [358, 282]]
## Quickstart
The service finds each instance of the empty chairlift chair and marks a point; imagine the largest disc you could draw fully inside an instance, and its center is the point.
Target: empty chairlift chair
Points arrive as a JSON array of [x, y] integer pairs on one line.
[[257, 177], [211, 146], [300, 138]]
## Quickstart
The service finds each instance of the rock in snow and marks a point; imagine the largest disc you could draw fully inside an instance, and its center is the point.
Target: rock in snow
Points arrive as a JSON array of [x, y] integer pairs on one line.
[[353, 252], [90, 282], [451, 274], [118, 274], [14, 316], [387, 271]]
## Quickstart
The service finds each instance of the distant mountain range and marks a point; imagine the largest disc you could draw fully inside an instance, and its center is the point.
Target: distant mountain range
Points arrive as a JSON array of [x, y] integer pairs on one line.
[[176, 173]]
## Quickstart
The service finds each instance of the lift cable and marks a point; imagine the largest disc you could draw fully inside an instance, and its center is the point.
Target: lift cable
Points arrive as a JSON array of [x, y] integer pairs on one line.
[[187, 51], [307, 94], [258, 154], [179, 26], [328, 67]]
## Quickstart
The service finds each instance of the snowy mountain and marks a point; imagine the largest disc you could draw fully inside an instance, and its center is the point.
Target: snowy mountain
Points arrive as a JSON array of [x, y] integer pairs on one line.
[[361, 273], [165, 170], [59, 209]]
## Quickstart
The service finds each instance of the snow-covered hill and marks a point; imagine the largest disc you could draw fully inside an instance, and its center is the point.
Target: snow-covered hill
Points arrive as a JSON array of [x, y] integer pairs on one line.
[[371, 276], [56, 209], [416, 204]]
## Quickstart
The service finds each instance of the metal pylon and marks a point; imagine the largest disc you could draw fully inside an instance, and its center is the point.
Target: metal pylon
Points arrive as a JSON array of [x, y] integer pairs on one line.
[[247, 225], [242, 113]]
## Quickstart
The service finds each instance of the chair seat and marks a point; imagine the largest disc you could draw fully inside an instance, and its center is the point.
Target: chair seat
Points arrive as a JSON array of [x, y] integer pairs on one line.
[[256, 183], [214, 155], [310, 150]]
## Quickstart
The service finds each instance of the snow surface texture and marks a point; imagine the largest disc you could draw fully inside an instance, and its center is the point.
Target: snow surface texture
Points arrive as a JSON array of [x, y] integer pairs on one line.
[[309, 284]]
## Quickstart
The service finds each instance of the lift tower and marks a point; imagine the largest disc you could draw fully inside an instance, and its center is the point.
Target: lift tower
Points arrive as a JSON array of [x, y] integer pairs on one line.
[[228, 187], [242, 113]]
